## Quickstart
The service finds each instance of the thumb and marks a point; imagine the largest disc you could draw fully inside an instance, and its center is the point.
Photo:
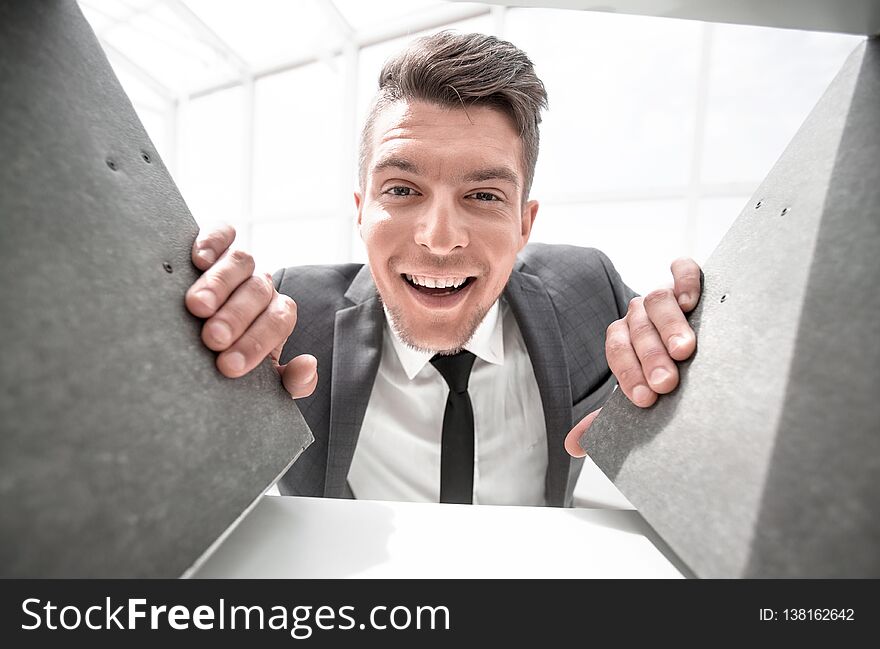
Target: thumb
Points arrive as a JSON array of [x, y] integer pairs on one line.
[[300, 375], [572, 440]]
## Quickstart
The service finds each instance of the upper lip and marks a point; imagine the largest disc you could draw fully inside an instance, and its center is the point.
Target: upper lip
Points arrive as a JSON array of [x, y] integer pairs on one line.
[[435, 275]]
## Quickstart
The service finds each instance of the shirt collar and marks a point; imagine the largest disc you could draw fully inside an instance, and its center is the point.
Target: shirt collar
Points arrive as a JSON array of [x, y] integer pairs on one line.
[[487, 343]]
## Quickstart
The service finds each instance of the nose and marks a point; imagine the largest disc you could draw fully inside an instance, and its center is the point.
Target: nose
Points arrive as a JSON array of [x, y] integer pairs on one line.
[[441, 229]]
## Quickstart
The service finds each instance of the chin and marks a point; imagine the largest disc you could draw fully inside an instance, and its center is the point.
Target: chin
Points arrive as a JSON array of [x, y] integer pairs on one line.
[[437, 345], [440, 338]]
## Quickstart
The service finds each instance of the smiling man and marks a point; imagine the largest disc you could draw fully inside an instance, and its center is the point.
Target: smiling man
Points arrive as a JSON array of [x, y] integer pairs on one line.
[[456, 361], [442, 217]]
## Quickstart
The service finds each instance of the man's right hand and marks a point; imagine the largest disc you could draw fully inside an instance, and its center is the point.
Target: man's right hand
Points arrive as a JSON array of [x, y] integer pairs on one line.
[[246, 318]]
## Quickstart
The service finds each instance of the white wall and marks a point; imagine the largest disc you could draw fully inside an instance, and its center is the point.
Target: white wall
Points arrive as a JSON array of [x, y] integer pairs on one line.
[[658, 132]]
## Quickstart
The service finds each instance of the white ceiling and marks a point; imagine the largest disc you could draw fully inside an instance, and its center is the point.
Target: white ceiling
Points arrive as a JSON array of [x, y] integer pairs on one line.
[[178, 48]]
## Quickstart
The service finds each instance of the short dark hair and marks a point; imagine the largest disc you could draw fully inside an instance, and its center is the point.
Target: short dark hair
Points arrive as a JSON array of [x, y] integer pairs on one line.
[[451, 69]]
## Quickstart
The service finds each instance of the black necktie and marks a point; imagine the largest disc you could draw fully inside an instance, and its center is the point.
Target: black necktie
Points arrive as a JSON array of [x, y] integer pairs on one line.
[[457, 446]]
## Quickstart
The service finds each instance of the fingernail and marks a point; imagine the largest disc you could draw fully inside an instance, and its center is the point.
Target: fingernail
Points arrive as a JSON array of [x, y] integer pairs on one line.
[[641, 394], [207, 297], [221, 333], [310, 379], [207, 255], [676, 342], [684, 299], [660, 375], [574, 448], [235, 362]]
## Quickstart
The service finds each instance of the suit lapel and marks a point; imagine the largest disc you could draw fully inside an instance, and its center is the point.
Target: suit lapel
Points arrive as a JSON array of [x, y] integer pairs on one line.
[[537, 321], [357, 349]]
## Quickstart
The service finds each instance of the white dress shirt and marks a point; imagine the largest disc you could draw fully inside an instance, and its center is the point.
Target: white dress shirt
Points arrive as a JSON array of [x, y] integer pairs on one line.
[[398, 451]]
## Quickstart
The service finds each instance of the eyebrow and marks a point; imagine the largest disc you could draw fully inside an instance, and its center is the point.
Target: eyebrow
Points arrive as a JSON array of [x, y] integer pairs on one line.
[[503, 172], [394, 162], [492, 173]]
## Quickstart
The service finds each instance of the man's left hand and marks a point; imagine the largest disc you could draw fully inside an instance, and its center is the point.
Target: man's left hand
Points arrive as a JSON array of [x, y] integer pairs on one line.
[[643, 346]]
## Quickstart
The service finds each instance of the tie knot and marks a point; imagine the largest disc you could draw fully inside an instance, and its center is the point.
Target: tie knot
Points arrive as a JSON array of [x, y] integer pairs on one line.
[[455, 369]]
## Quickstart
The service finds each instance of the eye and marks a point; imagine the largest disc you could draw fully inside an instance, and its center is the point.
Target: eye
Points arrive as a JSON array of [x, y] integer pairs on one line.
[[484, 196], [401, 190]]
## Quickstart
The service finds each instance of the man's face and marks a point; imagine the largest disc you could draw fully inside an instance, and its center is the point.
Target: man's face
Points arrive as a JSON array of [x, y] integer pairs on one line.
[[442, 217]]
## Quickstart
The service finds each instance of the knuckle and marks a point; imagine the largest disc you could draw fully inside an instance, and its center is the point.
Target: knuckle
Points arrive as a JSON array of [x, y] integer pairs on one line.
[[289, 305], [253, 347], [690, 278], [261, 288], [216, 282], [281, 315], [614, 328], [242, 258], [634, 305], [218, 238], [658, 297], [214, 240], [641, 329], [629, 375], [653, 353], [616, 346], [685, 269], [683, 261], [277, 314], [236, 317]]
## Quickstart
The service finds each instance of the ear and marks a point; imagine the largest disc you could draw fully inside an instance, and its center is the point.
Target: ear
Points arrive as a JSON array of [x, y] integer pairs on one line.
[[357, 205], [529, 212]]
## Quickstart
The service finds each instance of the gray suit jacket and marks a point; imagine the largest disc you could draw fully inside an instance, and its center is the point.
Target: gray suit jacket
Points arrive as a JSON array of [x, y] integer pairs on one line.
[[563, 298]]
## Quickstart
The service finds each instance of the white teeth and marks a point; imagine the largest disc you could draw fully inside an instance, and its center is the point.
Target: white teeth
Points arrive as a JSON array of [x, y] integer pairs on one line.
[[434, 282]]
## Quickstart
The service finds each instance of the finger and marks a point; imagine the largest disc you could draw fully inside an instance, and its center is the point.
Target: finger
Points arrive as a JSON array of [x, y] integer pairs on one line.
[[210, 245], [670, 323], [657, 366], [625, 365], [238, 313], [300, 376], [687, 279], [216, 284], [272, 327], [572, 440]]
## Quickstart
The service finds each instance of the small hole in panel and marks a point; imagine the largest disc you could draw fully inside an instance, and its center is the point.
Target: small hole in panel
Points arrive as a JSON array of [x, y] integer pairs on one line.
[[784, 211], [111, 163], [724, 297], [758, 205], [146, 157], [167, 267]]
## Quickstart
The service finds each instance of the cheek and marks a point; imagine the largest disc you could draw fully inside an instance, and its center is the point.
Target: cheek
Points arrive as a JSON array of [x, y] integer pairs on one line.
[[501, 243], [501, 249], [378, 226]]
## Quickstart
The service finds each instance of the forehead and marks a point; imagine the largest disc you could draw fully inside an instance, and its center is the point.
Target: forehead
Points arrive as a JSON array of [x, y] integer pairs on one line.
[[441, 139]]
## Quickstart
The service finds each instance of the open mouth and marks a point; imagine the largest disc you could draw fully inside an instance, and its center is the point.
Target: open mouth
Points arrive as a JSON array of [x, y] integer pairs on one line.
[[437, 287]]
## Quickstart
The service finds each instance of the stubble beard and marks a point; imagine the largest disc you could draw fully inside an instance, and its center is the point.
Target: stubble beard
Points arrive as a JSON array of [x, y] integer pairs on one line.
[[462, 336], [463, 333]]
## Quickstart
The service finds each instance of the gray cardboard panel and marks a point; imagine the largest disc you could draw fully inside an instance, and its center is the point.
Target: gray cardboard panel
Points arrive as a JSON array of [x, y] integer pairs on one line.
[[123, 452], [765, 461], [851, 16]]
